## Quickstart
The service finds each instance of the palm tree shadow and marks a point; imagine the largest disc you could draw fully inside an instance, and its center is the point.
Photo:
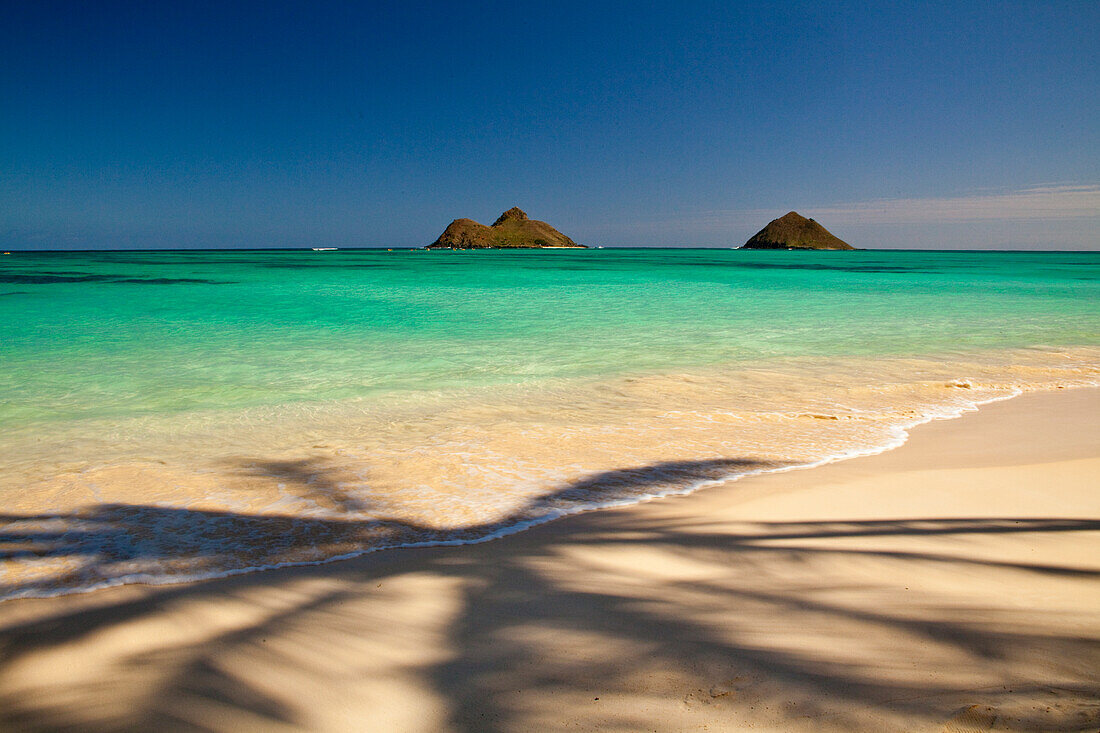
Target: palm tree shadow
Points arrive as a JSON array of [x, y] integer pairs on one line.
[[503, 664], [111, 543]]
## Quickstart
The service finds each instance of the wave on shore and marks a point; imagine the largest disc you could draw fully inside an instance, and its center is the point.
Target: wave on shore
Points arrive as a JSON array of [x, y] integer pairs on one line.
[[167, 499]]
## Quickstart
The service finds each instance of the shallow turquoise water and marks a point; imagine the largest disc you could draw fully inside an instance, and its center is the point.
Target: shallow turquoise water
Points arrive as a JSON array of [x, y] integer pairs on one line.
[[167, 416], [125, 333]]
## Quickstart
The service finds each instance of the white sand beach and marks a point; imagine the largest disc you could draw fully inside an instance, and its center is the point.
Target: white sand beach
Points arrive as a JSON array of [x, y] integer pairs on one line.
[[952, 584]]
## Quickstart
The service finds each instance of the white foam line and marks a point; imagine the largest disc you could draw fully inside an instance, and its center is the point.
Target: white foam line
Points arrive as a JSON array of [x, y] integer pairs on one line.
[[900, 438]]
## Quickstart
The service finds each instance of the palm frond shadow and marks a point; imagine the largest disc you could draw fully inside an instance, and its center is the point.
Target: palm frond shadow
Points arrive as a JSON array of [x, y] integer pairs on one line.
[[525, 632]]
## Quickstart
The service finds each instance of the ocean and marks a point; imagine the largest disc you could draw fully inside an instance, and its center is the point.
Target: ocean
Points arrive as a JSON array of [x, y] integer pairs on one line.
[[172, 415]]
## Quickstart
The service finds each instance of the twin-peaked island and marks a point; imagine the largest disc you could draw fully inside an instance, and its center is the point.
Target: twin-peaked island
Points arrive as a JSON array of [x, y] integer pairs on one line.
[[513, 230]]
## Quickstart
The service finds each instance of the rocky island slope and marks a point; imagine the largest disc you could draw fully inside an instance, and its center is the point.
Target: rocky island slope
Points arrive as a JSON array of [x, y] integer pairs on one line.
[[512, 230], [793, 231]]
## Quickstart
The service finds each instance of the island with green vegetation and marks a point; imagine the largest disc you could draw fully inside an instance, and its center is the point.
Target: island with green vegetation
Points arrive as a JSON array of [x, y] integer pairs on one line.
[[512, 230], [793, 231]]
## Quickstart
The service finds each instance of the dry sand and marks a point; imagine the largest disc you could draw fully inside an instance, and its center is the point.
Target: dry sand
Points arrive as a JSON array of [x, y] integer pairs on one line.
[[952, 584]]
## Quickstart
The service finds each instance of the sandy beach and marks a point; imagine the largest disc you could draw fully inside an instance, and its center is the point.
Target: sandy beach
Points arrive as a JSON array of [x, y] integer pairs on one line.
[[952, 584]]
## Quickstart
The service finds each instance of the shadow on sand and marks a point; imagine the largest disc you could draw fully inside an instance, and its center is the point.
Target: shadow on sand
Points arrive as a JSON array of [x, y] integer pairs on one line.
[[720, 623]]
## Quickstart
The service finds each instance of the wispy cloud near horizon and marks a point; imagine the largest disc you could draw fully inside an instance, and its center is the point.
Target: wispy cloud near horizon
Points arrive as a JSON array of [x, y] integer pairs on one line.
[[1046, 216], [1048, 202], [1037, 203]]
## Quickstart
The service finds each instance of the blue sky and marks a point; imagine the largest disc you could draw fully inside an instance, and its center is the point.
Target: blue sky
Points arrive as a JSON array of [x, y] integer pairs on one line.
[[225, 124]]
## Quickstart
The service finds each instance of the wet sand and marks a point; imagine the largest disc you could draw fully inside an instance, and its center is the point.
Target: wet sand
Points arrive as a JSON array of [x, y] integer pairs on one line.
[[951, 584]]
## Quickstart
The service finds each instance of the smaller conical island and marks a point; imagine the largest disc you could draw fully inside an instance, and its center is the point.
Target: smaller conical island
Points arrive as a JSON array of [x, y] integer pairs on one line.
[[794, 231], [512, 230]]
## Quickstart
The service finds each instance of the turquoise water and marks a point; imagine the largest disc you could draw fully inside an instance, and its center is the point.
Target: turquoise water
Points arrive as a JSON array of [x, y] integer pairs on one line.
[[122, 333], [175, 415]]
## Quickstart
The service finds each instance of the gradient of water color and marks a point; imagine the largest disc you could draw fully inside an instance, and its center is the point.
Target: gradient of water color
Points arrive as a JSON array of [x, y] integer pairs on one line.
[[170, 415]]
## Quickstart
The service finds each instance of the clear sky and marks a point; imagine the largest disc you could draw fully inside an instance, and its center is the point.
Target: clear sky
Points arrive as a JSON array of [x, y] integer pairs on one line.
[[253, 124]]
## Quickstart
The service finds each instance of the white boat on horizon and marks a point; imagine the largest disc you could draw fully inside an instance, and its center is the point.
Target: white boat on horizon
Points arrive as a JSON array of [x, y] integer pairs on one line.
[[324, 249]]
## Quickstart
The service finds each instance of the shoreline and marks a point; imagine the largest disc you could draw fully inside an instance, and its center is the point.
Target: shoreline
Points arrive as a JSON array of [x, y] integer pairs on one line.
[[899, 435], [780, 601]]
